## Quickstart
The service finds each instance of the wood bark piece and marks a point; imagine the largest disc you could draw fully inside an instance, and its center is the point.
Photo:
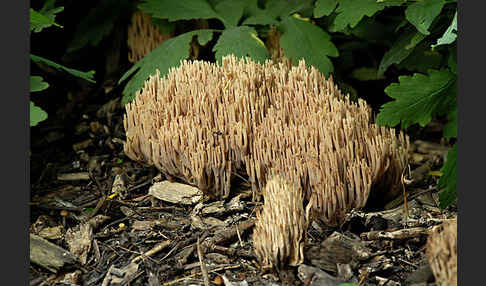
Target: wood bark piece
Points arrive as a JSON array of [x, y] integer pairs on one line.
[[337, 248], [49, 255], [121, 276], [226, 235], [314, 276], [80, 237], [176, 193]]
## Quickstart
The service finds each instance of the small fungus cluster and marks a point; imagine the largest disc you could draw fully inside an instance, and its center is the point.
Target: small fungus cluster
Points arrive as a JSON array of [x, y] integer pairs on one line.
[[442, 252], [288, 129], [143, 36]]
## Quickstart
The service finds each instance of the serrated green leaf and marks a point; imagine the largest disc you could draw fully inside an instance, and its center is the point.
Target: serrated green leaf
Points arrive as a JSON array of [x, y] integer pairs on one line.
[[178, 10], [400, 50], [84, 75], [324, 8], [450, 129], [242, 42], [450, 34], [365, 74], [37, 84], [421, 14], [448, 180], [419, 98], [350, 12], [230, 11], [303, 40], [36, 114], [166, 55], [98, 23], [39, 21]]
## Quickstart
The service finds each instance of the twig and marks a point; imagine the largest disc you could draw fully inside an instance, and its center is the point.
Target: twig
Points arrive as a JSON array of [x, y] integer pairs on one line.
[[239, 236], [405, 204], [153, 250], [204, 270], [170, 252], [398, 234]]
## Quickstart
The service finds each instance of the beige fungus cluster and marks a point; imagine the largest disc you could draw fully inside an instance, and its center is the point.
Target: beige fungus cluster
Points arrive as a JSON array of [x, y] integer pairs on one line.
[[442, 252], [281, 224], [206, 124], [143, 36]]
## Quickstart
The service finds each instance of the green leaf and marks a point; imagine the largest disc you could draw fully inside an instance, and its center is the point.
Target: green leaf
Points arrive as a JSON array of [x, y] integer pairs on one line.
[[302, 40], [400, 50], [422, 13], [365, 74], [166, 55], [85, 75], [98, 23], [450, 34], [230, 11], [419, 98], [37, 84], [36, 114], [178, 10], [324, 7], [448, 180], [242, 42], [350, 12], [450, 129], [39, 21]]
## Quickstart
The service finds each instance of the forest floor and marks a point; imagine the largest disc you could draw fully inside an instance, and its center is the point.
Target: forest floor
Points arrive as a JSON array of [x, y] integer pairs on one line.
[[93, 221]]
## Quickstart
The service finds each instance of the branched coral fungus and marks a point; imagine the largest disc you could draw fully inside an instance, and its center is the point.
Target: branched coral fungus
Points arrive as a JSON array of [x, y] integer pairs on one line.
[[442, 252], [143, 36], [205, 124]]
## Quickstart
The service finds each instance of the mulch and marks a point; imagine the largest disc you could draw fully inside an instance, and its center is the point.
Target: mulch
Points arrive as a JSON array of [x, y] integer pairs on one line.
[[94, 222]]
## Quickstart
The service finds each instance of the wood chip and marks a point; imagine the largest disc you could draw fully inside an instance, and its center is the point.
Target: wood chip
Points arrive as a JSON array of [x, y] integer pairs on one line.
[[176, 193], [314, 276], [337, 248], [49, 255], [73, 176]]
